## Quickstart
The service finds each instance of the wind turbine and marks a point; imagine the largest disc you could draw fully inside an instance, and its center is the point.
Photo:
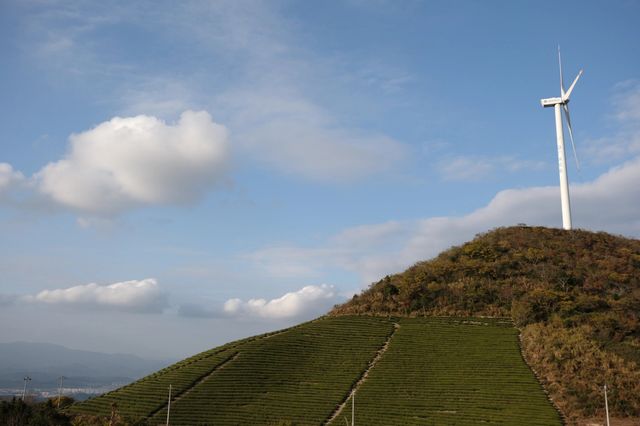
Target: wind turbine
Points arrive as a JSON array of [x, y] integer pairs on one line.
[[557, 103]]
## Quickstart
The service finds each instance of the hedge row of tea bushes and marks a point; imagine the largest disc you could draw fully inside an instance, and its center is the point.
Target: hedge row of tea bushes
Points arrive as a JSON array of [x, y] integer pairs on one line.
[[299, 377], [452, 372], [146, 396], [149, 394]]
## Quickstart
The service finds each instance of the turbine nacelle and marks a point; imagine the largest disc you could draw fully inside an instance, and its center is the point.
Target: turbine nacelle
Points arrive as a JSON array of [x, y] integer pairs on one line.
[[549, 102]]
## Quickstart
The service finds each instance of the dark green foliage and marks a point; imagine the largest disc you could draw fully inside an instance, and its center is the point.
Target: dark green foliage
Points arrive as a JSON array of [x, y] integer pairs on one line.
[[575, 274], [18, 413]]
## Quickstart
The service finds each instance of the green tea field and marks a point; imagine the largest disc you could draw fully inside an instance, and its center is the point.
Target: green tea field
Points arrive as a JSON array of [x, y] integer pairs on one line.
[[403, 371], [445, 371]]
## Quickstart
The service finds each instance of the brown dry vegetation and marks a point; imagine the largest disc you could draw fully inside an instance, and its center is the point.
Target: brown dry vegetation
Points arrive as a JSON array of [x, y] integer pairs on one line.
[[574, 294]]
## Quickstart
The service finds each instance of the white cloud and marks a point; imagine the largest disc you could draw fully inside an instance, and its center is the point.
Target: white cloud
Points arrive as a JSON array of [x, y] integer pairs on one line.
[[605, 150], [307, 302], [610, 203], [132, 296], [291, 134], [626, 102], [128, 162], [9, 177], [625, 143], [292, 261], [464, 168], [470, 168], [368, 250]]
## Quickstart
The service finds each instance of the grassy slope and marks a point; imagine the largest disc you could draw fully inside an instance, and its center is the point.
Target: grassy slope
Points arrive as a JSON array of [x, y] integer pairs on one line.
[[447, 371], [431, 368], [300, 374], [149, 394]]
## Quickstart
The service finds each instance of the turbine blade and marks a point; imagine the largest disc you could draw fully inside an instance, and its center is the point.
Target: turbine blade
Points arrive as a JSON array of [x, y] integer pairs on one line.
[[573, 145], [566, 95], [561, 80]]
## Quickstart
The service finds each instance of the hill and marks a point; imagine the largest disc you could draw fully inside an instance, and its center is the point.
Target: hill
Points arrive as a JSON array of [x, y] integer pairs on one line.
[[574, 294], [436, 344], [403, 370]]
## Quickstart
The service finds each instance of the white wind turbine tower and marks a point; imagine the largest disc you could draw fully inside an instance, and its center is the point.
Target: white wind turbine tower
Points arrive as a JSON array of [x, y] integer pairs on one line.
[[557, 103]]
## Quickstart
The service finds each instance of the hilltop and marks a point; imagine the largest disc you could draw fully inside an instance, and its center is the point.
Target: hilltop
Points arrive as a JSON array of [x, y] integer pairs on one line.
[[575, 295]]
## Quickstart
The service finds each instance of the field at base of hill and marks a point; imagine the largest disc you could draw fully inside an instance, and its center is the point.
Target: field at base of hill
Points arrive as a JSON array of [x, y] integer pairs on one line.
[[428, 371]]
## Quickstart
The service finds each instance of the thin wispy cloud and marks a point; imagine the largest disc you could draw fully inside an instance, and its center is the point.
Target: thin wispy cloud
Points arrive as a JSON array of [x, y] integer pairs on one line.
[[295, 136], [624, 142], [626, 102], [472, 168]]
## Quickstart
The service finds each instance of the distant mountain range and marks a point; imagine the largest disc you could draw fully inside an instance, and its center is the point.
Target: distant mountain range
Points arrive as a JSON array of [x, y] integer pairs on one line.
[[45, 362]]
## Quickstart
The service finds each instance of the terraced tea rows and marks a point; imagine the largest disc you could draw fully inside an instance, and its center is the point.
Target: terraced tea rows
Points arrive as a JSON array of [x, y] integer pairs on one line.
[[299, 375], [434, 371], [445, 372], [149, 394]]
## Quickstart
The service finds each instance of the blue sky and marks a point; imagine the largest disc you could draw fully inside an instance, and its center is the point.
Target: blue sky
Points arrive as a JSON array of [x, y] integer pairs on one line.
[[175, 175]]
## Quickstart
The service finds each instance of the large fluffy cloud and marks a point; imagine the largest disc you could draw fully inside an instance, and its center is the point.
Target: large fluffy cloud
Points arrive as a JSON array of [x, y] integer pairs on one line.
[[127, 162], [142, 296], [307, 302], [609, 203]]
